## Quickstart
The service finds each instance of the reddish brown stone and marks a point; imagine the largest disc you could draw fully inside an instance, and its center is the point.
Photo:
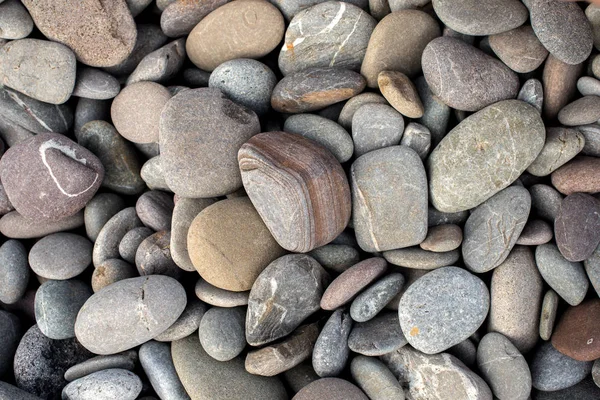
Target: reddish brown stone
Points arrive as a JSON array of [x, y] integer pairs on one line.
[[582, 174], [577, 335]]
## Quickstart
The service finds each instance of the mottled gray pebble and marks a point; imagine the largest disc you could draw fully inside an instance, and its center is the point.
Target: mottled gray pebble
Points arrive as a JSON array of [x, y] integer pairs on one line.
[[10, 331], [551, 370], [353, 104], [337, 257], [14, 271], [221, 332], [370, 302], [131, 241], [536, 232], [126, 360], [16, 226], [153, 175], [155, 209], [375, 126], [90, 110], [158, 365], [99, 210], [331, 351], [377, 336], [561, 145], [183, 214], [153, 256], [111, 271], [588, 86], [15, 21], [545, 201], [375, 379], [591, 134], [415, 257], [577, 226], [583, 111], [60, 255], [220, 297], [107, 243], [95, 84], [418, 138], [548, 314], [442, 238], [179, 17], [161, 65], [532, 92], [108, 384], [187, 323], [11, 392], [519, 48]]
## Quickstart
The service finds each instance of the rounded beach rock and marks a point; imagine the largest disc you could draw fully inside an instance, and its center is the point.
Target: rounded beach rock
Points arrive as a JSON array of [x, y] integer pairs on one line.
[[375, 126], [183, 214], [576, 334], [157, 363], [181, 16], [330, 389], [109, 238], [331, 351], [582, 174], [15, 21], [187, 323], [577, 226], [552, 370], [99, 210], [519, 48], [370, 302], [16, 226], [561, 145], [376, 379], [417, 258], [401, 93], [60, 256], [219, 297], [155, 208], [356, 102], [378, 336], [14, 271], [111, 271], [95, 84], [125, 360], [131, 241], [559, 83], [221, 332], [107, 384], [153, 256], [442, 238], [548, 314]]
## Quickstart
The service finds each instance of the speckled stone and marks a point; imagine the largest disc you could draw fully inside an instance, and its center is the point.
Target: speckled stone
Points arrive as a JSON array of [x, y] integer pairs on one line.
[[14, 271], [330, 389], [60, 256], [591, 134], [161, 65], [15, 21], [220, 297], [442, 238], [376, 126], [155, 209], [584, 390], [105, 385], [578, 175], [125, 360], [532, 92], [131, 241], [536, 232], [99, 210], [519, 48], [111, 271], [354, 103], [545, 201], [370, 302], [561, 145], [221, 332], [187, 323], [158, 365], [588, 86], [14, 225], [9, 391], [95, 84], [560, 84], [336, 257], [548, 314], [153, 175], [551, 370], [10, 329], [90, 110], [418, 138], [576, 334], [401, 93], [153, 256], [577, 226], [417, 258], [585, 110], [376, 379], [181, 16], [377, 336]]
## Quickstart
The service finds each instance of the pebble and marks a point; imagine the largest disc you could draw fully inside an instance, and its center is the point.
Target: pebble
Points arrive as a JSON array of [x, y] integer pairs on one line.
[[10, 330], [14, 225], [40, 69], [315, 88], [229, 244], [56, 306], [158, 365], [137, 109], [377, 336], [15, 22], [101, 208], [397, 43], [90, 110], [463, 168], [154, 209], [567, 278], [519, 48], [339, 30], [417, 258], [152, 173], [60, 255], [219, 297], [436, 114], [442, 238], [584, 390], [107, 243], [376, 126], [532, 92], [105, 385], [300, 376], [577, 226], [95, 84], [87, 29], [331, 351], [548, 314], [578, 175], [286, 293], [161, 298], [111, 271], [180, 16], [353, 104], [203, 121], [221, 332], [503, 367], [465, 351], [317, 202], [560, 85], [131, 241], [183, 214], [591, 134], [545, 201], [389, 185], [585, 110], [592, 12], [206, 378], [137, 6], [401, 93], [250, 29], [375, 379], [577, 332], [330, 389], [14, 272], [487, 17], [494, 227], [323, 131], [187, 323], [442, 309], [153, 256], [571, 43], [561, 145], [370, 302], [418, 138], [161, 65], [551, 370], [536, 232], [588, 86], [596, 372], [126, 360], [336, 257], [592, 268], [464, 77]]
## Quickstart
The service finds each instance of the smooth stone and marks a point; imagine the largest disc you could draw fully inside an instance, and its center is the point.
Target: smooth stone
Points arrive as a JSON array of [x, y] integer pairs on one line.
[[104, 385], [152, 173], [379, 8], [330, 389], [579, 175], [155, 209], [40, 363], [13, 133], [300, 376], [14, 272], [285, 355], [532, 92], [567, 278], [577, 332], [583, 111], [126, 360], [371, 301], [56, 306], [323, 131], [10, 331], [414, 371], [221, 332], [250, 29], [465, 351], [552, 370], [99, 210], [107, 243], [5, 206], [398, 5], [220, 297], [286, 293], [229, 244], [577, 226], [378, 336], [545, 201], [183, 214], [161, 65], [203, 121], [329, 34], [560, 85], [588, 86], [180, 17], [161, 300], [315, 88], [584, 390], [153, 256], [376, 126], [548, 314], [158, 365], [401, 93], [122, 166], [245, 81], [60, 255], [331, 351], [493, 228], [110, 271], [50, 177], [596, 372], [136, 111], [418, 138], [289, 8], [14, 225], [442, 238], [561, 145], [417, 258], [519, 48], [354, 103], [592, 269], [99, 36], [397, 43], [40, 69], [206, 378], [336, 257], [503, 367], [436, 114], [131, 241], [15, 21], [90, 110], [11, 392], [592, 12], [314, 206], [571, 43], [137, 6], [464, 77], [591, 134], [187, 323], [463, 168], [95, 84], [375, 379], [536, 232]]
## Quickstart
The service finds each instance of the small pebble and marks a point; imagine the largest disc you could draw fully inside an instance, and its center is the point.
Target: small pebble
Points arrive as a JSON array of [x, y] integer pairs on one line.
[[111, 271], [418, 138], [157, 363], [442, 238], [548, 314], [577, 226], [126, 360], [536, 232], [131, 241], [60, 256], [370, 302], [331, 351], [95, 84], [583, 111], [161, 65], [417, 258], [105, 385], [376, 126], [222, 332], [552, 370], [375, 379], [336, 257], [14, 271]]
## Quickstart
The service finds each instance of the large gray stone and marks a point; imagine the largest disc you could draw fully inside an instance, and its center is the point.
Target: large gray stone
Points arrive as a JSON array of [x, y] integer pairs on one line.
[[221, 332], [331, 351], [15, 21], [551, 370], [108, 384]]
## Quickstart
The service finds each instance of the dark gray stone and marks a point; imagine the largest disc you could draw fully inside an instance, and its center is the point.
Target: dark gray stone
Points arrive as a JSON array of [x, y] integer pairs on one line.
[[161, 65], [10, 331], [221, 332], [14, 271], [353, 104], [577, 226], [155, 209], [532, 93], [377, 336], [60, 256], [551, 370], [99, 210], [153, 175], [375, 379], [95, 84], [545, 201], [331, 350], [371, 301], [104, 385], [584, 390], [131, 241], [90, 110], [11, 392], [180, 17], [158, 365]]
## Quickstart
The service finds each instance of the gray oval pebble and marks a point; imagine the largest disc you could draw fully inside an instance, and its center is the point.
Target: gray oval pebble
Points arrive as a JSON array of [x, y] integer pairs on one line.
[[10, 332], [561, 145], [536, 232], [15, 21], [60, 255], [111, 271], [158, 365], [377, 336], [14, 271], [583, 111], [551, 370], [519, 48], [545, 201], [16, 226], [126, 360], [161, 65], [153, 175], [588, 86], [95, 84], [220, 297], [107, 243], [532, 92], [154, 257], [331, 351], [353, 104], [155, 210], [548, 314], [108, 384], [375, 379], [376, 126], [370, 302], [187, 323], [222, 332], [131, 241], [442, 238], [417, 258]]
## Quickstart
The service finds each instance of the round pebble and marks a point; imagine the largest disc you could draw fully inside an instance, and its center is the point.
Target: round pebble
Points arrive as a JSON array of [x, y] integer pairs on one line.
[[370, 302], [154, 209], [585, 110], [401, 93], [187, 323], [519, 48], [153, 256], [95, 84], [131, 241], [331, 351], [126, 360], [178, 18], [222, 332], [15, 21], [378, 336], [111, 271], [536, 232]]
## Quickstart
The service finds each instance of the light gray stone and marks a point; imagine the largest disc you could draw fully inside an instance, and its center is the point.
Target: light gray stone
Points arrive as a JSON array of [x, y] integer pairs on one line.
[[60, 256], [417, 258], [15, 21], [95, 84], [183, 214], [371, 301], [126, 360], [220, 297], [331, 351], [376, 126], [561, 145], [375, 379], [14, 271], [551, 370], [353, 104], [105, 385], [337, 257], [548, 314], [158, 365], [187, 323], [221, 332], [107, 243]]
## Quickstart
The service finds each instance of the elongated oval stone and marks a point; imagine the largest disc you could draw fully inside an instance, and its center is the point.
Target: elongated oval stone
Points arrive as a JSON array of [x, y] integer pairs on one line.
[[313, 194], [561, 145], [180, 17], [494, 227], [485, 153], [113, 383], [128, 313], [464, 77], [389, 191], [581, 174], [577, 226], [519, 48], [106, 245]]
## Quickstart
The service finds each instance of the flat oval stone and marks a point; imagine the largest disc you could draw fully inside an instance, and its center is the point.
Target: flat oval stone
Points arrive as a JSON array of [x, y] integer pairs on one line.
[[161, 65], [158, 365], [417, 258], [561, 145], [378, 336], [155, 208], [464, 77], [436, 114], [60, 256], [577, 332], [397, 43], [183, 214], [131, 241], [95, 84], [375, 126], [16, 226], [582, 174], [329, 34], [560, 84], [536, 232], [494, 227], [206, 378], [442, 309], [464, 170], [552, 370], [104, 385], [588, 86], [548, 314], [504, 367], [248, 29], [221, 332], [154, 257], [50, 177], [40, 69], [331, 351], [577, 226], [442, 238], [111, 271], [203, 121], [567, 278], [15, 21], [14, 271], [370, 302], [571, 43], [99, 36], [283, 296], [330, 389], [10, 329], [375, 379], [126, 360], [585, 110], [336, 257], [354, 103], [229, 245], [519, 48], [532, 92], [313, 188], [107, 243], [145, 308], [389, 185], [187, 323], [220, 297], [99, 210], [180, 17], [586, 389]]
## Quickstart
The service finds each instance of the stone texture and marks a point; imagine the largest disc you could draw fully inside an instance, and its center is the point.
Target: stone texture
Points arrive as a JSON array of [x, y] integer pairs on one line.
[[90, 110], [592, 268], [577, 226], [158, 365], [354, 103], [585, 110], [221, 332], [95, 84], [376, 126], [111, 271], [588, 86], [561, 145], [15, 21], [14, 272], [578, 175], [183, 214], [331, 351], [418, 138], [187, 323], [181, 16], [161, 65], [220, 297], [153, 256], [99, 210], [532, 92], [153, 175], [330, 389], [560, 84], [401, 93], [551, 370], [10, 329], [15, 226], [131, 241], [442, 238], [60, 256], [378, 336], [536, 232], [519, 48], [154, 209], [126, 360], [548, 314], [576, 334], [105, 385], [545, 201], [370, 302], [376, 379], [107, 243], [585, 390], [417, 258], [300, 376]]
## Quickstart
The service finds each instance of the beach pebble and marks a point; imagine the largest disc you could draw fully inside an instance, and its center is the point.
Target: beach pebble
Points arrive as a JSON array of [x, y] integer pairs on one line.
[[153, 256], [442, 238], [15, 21], [418, 138], [536, 232], [545, 201], [576, 334], [105, 385], [331, 351], [585, 110], [179, 17], [561, 145], [378, 336], [60, 256], [14, 225], [370, 302], [99, 210], [10, 329], [375, 126], [152, 173], [354, 103], [184, 212], [131, 241], [222, 332], [401, 93], [14, 271], [95, 84], [330, 389], [155, 208], [552, 370], [548, 314], [519, 48], [577, 226], [157, 363], [111, 271], [376, 379], [417, 258], [532, 92], [559, 82], [581, 174], [588, 86], [219, 297], [161, 65], [187, 323], [125, 360]]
